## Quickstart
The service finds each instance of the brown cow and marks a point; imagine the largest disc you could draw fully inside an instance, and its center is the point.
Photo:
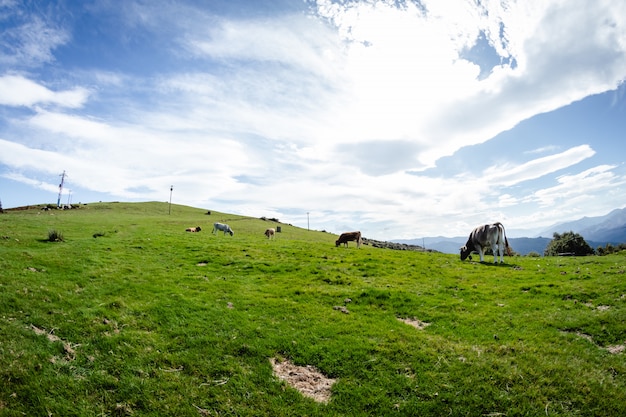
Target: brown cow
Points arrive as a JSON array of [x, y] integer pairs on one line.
[[487, 236], [348, 237], [193, 229], [270, 233]]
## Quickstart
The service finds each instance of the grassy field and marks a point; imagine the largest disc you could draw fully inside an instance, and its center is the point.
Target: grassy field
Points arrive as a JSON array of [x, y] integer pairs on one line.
[[131, 315]]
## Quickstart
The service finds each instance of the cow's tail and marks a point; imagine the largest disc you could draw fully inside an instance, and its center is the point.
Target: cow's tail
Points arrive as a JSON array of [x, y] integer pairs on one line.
[[509, 251]]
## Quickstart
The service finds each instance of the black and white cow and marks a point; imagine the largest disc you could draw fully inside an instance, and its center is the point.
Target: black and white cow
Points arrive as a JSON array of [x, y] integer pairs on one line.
[[487, 236], [222, 227]]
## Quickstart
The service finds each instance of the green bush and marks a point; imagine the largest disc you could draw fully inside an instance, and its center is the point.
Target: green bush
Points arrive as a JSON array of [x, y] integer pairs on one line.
[[609, 249], [55, 236], [568, 243]]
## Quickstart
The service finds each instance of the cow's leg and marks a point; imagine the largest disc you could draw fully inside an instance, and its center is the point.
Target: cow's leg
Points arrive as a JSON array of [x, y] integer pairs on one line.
[[501, 249], [481, 254], [494, 249]]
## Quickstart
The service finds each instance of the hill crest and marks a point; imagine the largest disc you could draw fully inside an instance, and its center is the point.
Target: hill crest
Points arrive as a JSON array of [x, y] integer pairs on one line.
[[597, 231]]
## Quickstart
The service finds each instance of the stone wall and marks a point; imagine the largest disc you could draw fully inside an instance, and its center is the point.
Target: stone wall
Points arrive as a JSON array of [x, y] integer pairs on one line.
[[394, 246]]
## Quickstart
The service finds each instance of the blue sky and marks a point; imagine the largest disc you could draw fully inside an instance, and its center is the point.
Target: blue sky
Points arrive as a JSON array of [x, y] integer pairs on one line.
[[401, 119]]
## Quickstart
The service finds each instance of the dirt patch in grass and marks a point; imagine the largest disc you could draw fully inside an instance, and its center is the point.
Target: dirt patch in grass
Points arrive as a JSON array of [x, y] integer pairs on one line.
[[70, 352], [613, 349], [41, 332], [306, 379], [418, 324], [585, 336]]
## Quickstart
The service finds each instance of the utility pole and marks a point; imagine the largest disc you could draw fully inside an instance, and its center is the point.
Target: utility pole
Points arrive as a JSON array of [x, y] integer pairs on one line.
[[170, 209], [60, 189], [307, 221]]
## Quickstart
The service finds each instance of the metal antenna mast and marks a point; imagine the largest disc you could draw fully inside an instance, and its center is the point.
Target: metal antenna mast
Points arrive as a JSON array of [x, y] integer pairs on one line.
[[170, 209], [61, 189]]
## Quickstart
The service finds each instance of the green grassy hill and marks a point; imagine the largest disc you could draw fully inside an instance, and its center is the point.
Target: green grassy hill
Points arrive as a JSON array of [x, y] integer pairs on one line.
[[131, 315]]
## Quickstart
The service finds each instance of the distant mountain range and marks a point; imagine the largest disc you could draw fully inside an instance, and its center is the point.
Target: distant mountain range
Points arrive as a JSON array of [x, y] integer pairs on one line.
[[597, 231]]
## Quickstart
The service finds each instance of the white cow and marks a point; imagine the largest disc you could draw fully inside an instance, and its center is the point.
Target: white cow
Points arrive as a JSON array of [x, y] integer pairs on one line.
[[270, 233], [482, 237], [222, 227]]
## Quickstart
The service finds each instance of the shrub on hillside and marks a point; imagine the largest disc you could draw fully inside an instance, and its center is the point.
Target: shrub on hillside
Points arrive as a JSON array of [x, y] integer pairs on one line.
[[55, 236], [609, 249], [568, 243]]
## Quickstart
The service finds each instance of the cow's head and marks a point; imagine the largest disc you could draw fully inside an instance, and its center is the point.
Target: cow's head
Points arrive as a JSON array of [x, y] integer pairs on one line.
[[465, 253], [337, 243]]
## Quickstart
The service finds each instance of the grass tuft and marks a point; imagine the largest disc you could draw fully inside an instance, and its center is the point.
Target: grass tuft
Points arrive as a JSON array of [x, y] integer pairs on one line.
[[55, 236]]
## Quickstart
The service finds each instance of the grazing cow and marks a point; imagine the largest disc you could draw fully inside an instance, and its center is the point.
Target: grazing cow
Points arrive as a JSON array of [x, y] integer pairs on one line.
[[223, 227], [270, 233], [193, 229], [347, 237], [482, 237]]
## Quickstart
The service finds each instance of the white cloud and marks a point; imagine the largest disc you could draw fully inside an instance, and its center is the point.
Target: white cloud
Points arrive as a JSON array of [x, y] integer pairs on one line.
[[31, 41], [511, 175], [574, 188], [40, 185], [16, 90], [543, 149], [279, 40]]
